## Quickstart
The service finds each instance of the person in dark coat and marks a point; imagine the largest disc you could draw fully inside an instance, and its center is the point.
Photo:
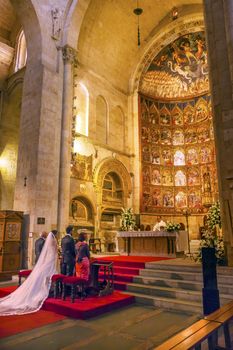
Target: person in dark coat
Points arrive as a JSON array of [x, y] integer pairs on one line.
[[39, 244], [68, 253]]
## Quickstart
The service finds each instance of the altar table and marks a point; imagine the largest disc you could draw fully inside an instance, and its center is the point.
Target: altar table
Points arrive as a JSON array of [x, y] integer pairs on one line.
[[157, 243]]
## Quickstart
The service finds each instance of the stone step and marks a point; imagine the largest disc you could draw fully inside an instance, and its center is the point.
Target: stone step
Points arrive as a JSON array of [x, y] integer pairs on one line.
[[184, 275], [181, 284], [165, 292], [168, 303], [189, 267], [173, 293]]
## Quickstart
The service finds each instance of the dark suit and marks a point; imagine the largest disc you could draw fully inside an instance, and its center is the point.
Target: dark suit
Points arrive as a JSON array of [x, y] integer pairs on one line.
[[38, 247], [68, 255]]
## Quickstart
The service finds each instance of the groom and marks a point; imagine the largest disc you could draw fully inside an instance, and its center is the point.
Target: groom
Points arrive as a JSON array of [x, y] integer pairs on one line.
[[68, 253]]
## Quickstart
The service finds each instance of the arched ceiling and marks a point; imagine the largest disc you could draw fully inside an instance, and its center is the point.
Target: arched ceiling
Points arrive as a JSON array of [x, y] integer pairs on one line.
[[7, 21], [107, 43]]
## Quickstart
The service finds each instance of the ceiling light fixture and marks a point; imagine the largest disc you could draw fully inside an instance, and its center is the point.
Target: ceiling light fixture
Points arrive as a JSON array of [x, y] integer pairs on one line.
[[138, 11]]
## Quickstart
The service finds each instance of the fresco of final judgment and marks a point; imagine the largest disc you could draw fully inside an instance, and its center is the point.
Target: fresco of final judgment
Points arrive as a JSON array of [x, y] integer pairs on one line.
[[180, 70]]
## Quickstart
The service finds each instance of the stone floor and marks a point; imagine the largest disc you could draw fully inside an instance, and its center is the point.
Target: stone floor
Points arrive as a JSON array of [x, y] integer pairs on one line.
[[135, 327]]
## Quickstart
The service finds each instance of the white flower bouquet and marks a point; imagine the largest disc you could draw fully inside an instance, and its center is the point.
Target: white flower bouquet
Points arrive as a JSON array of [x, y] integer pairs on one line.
[[127, 219], [171, 227]]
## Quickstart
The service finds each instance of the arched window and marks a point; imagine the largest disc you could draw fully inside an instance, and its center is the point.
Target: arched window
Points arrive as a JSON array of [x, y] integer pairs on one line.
[[21, 52], [81, 107], [116, 128], [101, 120], [112, 188]]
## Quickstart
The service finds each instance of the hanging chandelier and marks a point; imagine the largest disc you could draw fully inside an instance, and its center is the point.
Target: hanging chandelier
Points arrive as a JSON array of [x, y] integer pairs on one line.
[[138, 11]]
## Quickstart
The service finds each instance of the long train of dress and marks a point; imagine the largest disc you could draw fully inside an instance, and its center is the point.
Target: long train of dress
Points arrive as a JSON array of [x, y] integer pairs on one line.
[[29, 297]]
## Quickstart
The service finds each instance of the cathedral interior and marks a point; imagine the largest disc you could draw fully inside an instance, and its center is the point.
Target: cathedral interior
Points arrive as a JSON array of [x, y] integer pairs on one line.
[[109, 105]]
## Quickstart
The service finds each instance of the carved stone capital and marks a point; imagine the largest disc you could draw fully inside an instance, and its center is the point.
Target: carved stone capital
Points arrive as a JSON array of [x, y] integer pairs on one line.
[[70, 55]]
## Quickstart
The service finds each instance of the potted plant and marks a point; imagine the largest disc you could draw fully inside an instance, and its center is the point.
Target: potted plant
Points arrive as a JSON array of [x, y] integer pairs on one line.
[[212, 237]]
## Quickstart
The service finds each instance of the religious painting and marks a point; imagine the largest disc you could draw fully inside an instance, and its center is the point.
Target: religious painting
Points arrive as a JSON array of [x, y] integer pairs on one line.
[[144, 112], [201, 110], [166, 156], [155, 176], [146, 134], [156, 197], [78, 211], [194, 199], [81, 167], [193, 177], [203, 134], [180, 70], [168, 199], [165, 116], [177, 116], [192, 156], [167, 177], [155, 155], [181, 200], [146, 198], [206, 180], [180, 178], [179, 158], [189, 114], [205, 155], [178, 138], [146, 174], [190, 136], [154, 115], [165, 137], [146, 157], [154, 135]]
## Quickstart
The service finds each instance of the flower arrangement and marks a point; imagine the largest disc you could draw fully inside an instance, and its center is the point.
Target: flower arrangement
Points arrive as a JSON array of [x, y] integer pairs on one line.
[[214, 216], [127, 219], [211, 238], [171, 227]]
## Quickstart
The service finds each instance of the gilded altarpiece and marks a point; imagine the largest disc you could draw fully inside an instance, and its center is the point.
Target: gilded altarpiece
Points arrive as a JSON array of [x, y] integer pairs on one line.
[[178, 167]]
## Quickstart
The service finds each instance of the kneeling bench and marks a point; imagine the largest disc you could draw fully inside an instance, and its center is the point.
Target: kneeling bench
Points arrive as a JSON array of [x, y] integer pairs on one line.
[[57, 284], [74, 282], [23, 274]]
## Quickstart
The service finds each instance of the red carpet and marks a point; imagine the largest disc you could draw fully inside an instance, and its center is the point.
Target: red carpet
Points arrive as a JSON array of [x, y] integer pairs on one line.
[[10, 325], [82, 309], [126, 267], [90, 307]]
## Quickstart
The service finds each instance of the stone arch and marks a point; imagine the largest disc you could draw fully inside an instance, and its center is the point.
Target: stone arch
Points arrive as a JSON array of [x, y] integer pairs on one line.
[[112, 165], [88, 205], [164, 36]]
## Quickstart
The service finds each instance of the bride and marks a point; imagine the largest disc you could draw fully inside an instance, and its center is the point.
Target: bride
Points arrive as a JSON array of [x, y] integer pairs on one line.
[[29, 297]]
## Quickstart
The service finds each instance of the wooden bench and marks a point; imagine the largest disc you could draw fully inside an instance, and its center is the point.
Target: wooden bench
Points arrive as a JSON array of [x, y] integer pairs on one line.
[[191, 336], [207, 328], [223, 316]]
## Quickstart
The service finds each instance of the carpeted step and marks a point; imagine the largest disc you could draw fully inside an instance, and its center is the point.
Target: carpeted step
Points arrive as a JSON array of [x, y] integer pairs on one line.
[[119, 277], [168, 303], [126, 270]]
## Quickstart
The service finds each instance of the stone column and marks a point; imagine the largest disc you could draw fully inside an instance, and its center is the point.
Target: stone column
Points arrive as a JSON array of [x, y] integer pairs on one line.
[[219, 21], [69, 58]]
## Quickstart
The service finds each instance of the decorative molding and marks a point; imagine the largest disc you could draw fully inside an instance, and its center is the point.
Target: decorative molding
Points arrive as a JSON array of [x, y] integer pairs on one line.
[[57, 18], [106, 166], [70, 55]]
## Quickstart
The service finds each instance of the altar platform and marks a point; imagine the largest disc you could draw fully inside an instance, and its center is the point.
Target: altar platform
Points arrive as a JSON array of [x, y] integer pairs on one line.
[[152, 243]]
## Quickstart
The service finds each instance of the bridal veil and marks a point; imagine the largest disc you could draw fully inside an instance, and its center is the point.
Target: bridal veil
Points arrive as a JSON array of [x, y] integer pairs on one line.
[[29, 297]]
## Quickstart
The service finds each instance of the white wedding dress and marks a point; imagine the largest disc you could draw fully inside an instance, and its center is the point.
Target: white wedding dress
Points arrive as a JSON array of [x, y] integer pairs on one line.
[[29, 297]]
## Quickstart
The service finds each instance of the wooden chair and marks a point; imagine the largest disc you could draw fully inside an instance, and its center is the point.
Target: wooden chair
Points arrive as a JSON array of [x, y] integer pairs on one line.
[[23, 274]]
